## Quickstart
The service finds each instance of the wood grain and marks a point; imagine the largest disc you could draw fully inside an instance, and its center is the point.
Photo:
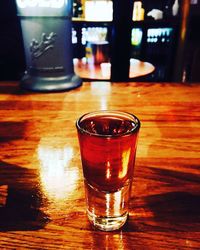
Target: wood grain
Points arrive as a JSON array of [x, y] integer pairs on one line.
[[42, 202]]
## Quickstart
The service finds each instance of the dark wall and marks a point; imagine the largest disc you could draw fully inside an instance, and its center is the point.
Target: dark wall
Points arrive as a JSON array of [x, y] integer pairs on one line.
[[12, 63], [192, 50]]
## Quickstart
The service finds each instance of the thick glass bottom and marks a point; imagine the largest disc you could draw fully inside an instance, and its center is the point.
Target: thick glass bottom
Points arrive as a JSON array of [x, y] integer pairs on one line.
[[107, 211], [107, 223]]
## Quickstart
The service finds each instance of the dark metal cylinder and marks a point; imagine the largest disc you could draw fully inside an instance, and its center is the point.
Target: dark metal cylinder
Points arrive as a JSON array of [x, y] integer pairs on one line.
[[46, 28]]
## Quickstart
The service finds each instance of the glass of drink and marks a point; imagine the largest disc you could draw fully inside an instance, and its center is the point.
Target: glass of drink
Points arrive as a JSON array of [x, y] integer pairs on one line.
[[108, 141]]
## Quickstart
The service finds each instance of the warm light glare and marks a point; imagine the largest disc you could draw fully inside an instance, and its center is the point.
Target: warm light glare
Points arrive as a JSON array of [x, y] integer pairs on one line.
[[101, 89], [108, 174], [118, 202], [107, 204], [101, 10], [114, 203], [104, 104], [125, 161], [57, 179]]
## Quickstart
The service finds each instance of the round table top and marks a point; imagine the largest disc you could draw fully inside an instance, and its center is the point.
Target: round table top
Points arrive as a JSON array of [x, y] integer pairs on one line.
[[103, 71]]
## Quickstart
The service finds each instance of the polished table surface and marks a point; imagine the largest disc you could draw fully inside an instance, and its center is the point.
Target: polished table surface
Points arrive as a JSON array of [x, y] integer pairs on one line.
[[91, 71], [42, 202]]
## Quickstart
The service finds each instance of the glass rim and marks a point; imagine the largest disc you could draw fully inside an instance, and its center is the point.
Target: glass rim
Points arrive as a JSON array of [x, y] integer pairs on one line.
[[117, 112]]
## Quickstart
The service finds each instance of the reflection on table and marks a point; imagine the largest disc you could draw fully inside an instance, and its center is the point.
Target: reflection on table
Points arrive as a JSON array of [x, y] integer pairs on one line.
[[103, 71], [42, 200]]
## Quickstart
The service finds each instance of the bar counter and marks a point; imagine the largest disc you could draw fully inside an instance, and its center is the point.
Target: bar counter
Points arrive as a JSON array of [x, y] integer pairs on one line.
[[42, 202]]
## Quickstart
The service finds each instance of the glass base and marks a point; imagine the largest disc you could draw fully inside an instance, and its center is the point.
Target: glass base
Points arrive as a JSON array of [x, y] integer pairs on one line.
[[107, 211], [107, 223], [50, 84]]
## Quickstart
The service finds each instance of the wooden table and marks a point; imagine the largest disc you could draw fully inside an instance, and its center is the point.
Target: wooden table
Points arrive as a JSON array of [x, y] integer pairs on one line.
[[91, 71], [42, 202]]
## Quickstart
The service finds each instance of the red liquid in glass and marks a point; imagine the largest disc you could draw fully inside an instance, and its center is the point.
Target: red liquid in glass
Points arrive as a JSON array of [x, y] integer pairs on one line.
[[108, 160]]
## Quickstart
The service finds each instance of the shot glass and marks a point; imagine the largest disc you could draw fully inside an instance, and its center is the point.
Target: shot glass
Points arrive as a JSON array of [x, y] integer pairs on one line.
[[108, 141]]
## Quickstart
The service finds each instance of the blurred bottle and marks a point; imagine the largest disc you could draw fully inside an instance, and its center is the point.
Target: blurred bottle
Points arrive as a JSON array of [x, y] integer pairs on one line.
[[77, 8], [97, 52], [74, 36], [97, 47], [175, 8], [138, 11], [136, 41]]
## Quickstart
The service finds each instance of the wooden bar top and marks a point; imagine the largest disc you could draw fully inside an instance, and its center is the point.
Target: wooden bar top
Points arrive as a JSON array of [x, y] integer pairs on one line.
[[42, 202]]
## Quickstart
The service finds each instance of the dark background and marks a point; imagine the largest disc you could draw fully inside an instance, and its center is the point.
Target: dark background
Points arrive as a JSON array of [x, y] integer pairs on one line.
[[12, 63], [12, 60]]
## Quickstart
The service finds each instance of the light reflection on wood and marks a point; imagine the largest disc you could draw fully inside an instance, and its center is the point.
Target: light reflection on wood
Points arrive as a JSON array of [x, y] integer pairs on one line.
[[37, 132]]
